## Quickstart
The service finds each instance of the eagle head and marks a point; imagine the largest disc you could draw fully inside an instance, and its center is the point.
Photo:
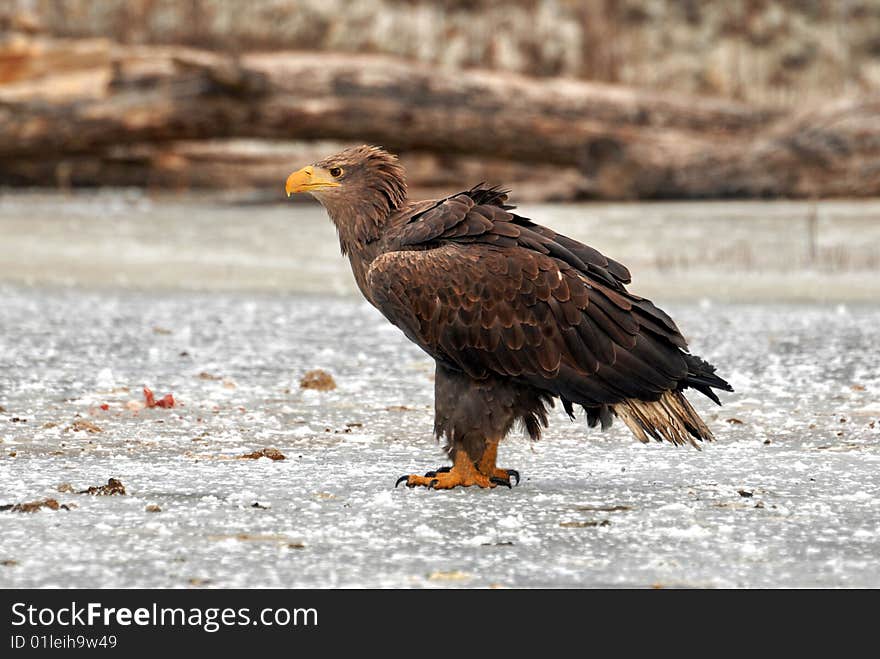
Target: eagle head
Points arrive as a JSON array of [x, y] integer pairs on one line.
[[357, 183]]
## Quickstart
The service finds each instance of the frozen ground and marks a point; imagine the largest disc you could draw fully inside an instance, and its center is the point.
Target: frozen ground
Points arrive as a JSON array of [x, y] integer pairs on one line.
[[742, 251], [227, 305], [787, 496]]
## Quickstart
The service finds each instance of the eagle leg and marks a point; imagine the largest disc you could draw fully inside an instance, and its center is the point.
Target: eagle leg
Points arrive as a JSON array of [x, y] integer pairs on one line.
[[463, 473], [486, 466]]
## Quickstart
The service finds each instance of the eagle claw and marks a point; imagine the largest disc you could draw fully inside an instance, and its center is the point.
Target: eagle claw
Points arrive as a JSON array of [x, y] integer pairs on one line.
[[430, 485], [514, 473], [501, 481], [439, 470]]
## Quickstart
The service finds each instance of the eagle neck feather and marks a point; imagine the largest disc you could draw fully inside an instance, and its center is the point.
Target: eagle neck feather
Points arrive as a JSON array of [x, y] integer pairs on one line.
[[362, 222]]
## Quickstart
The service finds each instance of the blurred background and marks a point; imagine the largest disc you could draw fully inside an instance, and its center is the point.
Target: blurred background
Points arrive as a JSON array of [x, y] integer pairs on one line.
[[147, 112]]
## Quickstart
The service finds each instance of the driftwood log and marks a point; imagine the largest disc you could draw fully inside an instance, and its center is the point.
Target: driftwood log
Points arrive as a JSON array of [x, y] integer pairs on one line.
[[75, 118]]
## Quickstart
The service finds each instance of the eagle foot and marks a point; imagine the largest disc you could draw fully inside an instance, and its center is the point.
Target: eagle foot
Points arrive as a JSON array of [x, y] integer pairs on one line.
[[447, 480], [486, 465], [463, 473], [503, 476], [498, 477]]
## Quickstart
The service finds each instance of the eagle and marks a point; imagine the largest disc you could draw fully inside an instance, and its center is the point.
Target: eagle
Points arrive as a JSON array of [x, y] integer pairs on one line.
[[514, 314]]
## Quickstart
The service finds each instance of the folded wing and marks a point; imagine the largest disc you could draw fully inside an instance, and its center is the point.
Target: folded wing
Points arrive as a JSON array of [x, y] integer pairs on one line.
[[491, 293]]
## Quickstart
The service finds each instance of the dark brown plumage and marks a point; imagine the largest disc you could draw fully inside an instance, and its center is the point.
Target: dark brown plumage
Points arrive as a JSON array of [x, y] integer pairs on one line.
[[514, 314]]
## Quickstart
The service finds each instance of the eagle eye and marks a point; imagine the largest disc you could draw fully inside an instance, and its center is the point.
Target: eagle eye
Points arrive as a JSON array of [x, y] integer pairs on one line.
[[336, 172]]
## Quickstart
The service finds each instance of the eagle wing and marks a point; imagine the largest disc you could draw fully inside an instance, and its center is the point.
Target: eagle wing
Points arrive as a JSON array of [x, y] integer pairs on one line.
[[490, 293]]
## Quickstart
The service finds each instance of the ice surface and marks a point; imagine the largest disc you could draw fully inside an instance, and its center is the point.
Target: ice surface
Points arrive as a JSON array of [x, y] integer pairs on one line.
[[739, 251], [807, 381]]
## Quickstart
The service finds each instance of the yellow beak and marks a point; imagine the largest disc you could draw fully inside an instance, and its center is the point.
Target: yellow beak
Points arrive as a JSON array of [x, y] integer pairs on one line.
[[308, 179]]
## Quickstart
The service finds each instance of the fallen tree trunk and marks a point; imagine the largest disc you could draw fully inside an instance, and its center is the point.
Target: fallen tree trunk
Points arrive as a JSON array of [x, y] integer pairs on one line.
[[625, 143], [259, 167]]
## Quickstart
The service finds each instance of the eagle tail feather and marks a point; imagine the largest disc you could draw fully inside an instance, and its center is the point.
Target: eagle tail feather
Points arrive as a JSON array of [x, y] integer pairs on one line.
[[671, 417], [702, 377], [599, 415]]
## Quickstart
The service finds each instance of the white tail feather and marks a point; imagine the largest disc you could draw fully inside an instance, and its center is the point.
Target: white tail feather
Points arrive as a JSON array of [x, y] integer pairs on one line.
[[671, 418]]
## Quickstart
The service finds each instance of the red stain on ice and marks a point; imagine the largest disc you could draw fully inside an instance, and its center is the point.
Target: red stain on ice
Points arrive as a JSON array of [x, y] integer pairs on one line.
[[166, 401]]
